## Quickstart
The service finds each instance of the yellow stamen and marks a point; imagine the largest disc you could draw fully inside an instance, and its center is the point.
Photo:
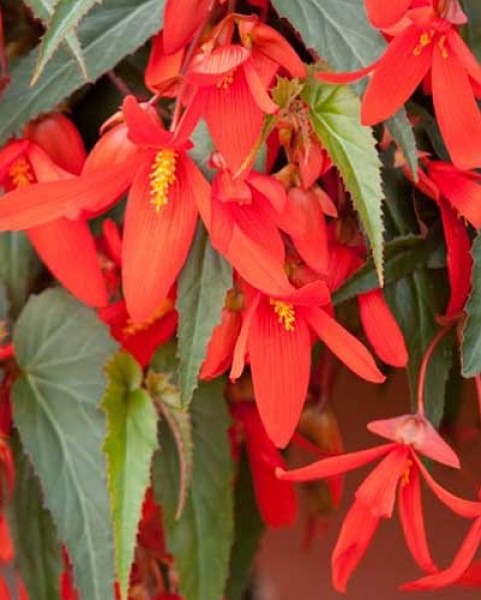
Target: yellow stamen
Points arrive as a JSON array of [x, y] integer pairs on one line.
[[442, 47], [21, 173], [285, 312], [406, 473], [424, 40], [132, 328], [226, 81], [162, 176]]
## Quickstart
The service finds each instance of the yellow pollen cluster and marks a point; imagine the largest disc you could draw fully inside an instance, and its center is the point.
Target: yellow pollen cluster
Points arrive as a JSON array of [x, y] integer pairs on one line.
[[285, 312], [424, 40], [20, 173], [406, 473], [132, 328], [226, 81], [162, 176]]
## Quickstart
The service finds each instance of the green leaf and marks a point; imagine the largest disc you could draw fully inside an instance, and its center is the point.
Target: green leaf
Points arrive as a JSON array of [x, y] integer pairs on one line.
[[413, 302], [66, 16], [203, 284], [19, 267], [403, 256], [471, 344], [338, 30], [129, 445], [108, 34], [61, 348], [472, 29], [401, 130], [249, 528], [201, 539], [335, 117], [43, 10], [167, 397], [37, 550]]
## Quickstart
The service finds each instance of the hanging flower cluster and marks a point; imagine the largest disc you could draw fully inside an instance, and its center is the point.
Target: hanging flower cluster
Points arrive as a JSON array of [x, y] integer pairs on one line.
[[225, 228]]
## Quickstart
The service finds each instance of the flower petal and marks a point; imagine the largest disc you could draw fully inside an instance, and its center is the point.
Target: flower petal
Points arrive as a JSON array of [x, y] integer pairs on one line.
[[336, 465], [276, 499], [280, 365], [10, 153], [155, 244], [387, 92], [457, 568], [461, 188], [68, 249], [456, 113], [344, 345], [257, 89], [181, 20], [143, 124], [356, 534], [163, 70], [412, 520], [458, 257], [209, 69], [381, 329], [240, 350], [383, 14], [221, 345], [378, 491]]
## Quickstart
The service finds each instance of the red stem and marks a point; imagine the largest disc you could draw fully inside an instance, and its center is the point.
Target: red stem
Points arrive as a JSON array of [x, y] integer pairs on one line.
[[425, 362]]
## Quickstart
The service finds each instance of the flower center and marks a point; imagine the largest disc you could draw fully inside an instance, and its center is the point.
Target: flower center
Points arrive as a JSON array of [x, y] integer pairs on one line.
[[162, 176], [412, 431], [425, 39], [226, 81], [286, 315], [21, 173]]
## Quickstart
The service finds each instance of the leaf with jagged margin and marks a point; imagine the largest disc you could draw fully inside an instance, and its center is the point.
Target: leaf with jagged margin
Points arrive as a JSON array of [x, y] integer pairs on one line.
[[166, 394], [61, 348], [43, 10], [201, 539], [107, 34], [129, 446], [38, 554], [335, 117], [203, 284], [471, 337], [403, 255], [339, 31]]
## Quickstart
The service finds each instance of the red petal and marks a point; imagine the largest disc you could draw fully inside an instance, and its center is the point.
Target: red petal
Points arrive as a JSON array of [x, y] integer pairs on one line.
[[143, 124], [381, 329], [269, 188], [276, 499], [459, 260], [387, 92], [412, 520], [156, 244], [312, 242], [181, 20], [6, 546], [37, 204], [457, 568], [345, 77], [462, 189], [240, 350], [356, 534], [163, 70], [10, 153], [344, 345], [456, 113], [463, 55], [4, 591], [221, 345], [257, 89], [113, 148], [336, 465], [209, 69], [68, 249], [280, 365], [383, 14], [60, 139], [235, 120], [378, 490], [464, 508]]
